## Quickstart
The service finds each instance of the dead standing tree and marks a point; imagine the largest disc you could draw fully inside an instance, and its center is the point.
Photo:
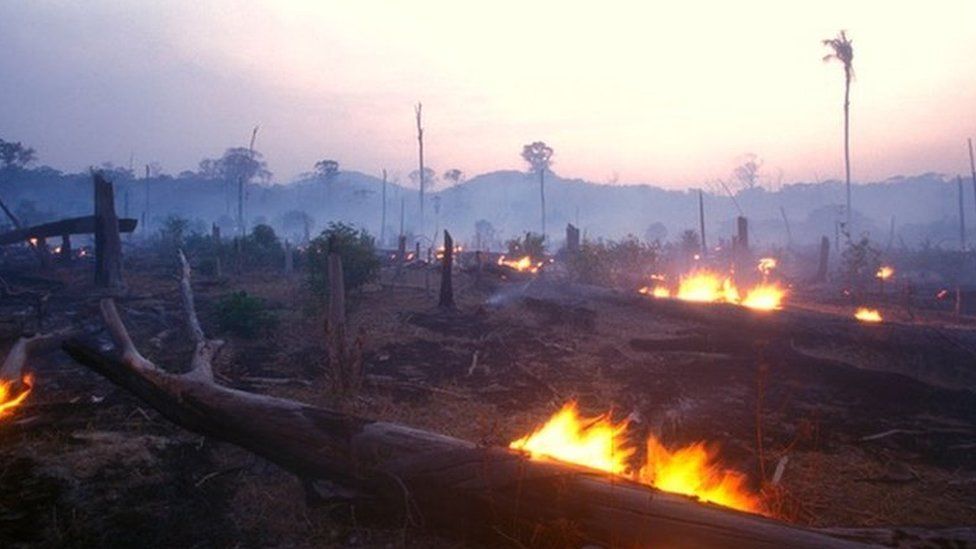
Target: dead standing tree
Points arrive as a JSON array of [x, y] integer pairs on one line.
[[446, 300], [345, 361], [453, 482], [420, 154], [108, 244]]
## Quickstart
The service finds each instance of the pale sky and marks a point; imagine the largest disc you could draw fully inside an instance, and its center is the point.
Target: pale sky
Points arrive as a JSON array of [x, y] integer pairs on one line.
[[668, 93]]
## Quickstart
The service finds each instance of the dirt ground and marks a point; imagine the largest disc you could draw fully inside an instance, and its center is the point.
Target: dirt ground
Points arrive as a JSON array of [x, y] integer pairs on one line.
[[84, 464]]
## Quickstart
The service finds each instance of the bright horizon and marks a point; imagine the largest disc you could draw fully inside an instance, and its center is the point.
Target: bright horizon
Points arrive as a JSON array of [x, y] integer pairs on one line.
[[671, 96]]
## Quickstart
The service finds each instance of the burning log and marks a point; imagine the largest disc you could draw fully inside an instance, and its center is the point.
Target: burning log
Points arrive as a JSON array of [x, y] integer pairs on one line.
[[453, 482]]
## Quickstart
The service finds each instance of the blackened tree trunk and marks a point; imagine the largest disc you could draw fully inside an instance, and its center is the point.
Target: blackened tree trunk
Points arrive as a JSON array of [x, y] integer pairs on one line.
[[447, 265], [108, 244]]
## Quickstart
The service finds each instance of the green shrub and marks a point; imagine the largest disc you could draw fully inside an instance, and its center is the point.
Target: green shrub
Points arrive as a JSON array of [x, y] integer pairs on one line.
[[262, 248], [356, 247], [244, 315]]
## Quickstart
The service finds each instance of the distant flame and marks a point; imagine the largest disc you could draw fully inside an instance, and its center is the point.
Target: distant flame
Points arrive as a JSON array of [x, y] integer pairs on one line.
[[884, 273], [656, 291], [8, 400], [522, 264], [599, 443], [766, 265], [867, 315]]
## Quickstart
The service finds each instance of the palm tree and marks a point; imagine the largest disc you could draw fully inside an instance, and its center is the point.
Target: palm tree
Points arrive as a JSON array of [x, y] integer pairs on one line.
[[843, 51]]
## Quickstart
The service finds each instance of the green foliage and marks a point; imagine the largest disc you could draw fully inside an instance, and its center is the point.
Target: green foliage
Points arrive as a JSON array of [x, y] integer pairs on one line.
[[262, 248], [357, 249], [532, 245], [244, 315], [614, 263]]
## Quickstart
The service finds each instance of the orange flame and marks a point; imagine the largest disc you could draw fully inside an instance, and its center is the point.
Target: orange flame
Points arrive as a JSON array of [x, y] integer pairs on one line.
[[9, 401], [708, 287], [522, 264], [884, 273], [599, 443], [765, 297], [867, 315]]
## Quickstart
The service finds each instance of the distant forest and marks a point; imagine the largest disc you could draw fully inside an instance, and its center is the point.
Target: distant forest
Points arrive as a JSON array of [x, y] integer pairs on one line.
[[490, 208]]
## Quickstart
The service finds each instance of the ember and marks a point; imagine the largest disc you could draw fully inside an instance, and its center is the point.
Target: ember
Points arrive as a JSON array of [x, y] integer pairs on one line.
[[867, 315], [600, 444], [9, 401]]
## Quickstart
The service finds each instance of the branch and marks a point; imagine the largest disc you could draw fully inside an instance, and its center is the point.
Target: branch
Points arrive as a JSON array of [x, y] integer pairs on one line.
[[201, 366]]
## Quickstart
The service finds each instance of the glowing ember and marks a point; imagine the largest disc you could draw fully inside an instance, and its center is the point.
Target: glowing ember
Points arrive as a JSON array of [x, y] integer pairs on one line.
[[522, 264], [884, 273], [867, 315], [599, 443], [766, 265], [765, 297], [9, 401]]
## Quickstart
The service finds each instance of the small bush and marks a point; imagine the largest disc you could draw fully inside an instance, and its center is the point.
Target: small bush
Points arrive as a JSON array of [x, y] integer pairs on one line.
[[356, 247], [244, 315], [614, 263]]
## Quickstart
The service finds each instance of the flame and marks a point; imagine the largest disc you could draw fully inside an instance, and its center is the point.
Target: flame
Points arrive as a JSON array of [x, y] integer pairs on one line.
[[867, 315], [765, 297], [8, 401], [440, 251], [599, 443], [766, 265], [522, 264], [709, 287], [884, 273]]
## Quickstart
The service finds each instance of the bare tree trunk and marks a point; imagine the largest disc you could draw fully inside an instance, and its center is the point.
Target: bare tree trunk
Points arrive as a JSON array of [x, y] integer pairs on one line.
[[335, 325], [420, 154], [10, 215], [824, 258], [446, 300], [962, 217], [972, 167], [847, 150], [572, 239], [742, 239], [383, 214], [701, 222], [65, 249], [108, 245], [217, 249], [401, 255], [542, 199]]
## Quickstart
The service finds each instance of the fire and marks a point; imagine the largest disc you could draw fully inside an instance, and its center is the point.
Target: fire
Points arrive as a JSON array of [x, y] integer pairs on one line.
[[867, 315], [440, 251], [708, 287], [599, 443], [522, 264], [884, 273], [765, 296], [9, 401], [766, 265]]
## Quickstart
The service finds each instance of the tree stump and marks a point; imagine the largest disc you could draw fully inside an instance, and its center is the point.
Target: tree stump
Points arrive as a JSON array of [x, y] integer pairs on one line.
[[108, 244], [446, 300]]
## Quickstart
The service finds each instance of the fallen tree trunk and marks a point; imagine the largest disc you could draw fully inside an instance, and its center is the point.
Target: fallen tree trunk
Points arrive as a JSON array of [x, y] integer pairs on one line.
[[74, 225], [450, 481]]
